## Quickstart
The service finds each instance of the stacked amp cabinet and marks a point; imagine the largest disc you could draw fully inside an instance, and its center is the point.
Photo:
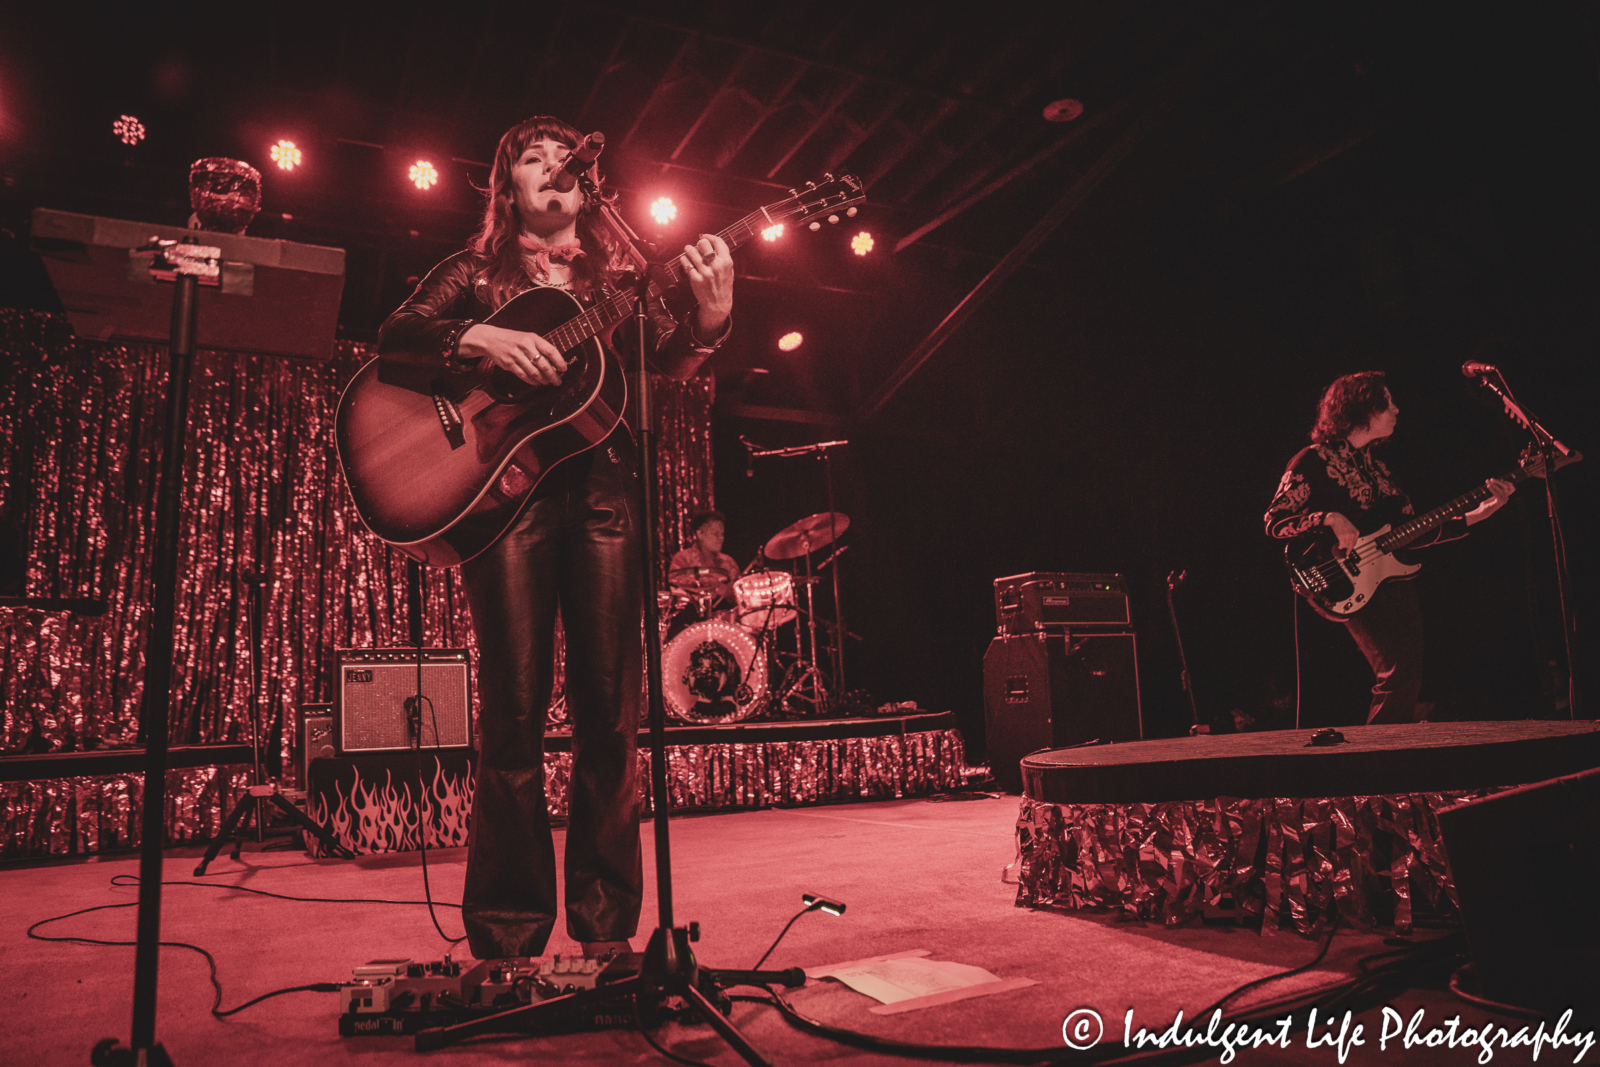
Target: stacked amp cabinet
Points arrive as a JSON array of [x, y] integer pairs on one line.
[[1064, 669]]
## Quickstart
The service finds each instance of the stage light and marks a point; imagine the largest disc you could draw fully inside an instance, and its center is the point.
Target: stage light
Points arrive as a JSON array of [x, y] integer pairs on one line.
[[790, 341], [286, 155], [423, 176], [773, 232], [128, 129], [663, 210], [861, 243]]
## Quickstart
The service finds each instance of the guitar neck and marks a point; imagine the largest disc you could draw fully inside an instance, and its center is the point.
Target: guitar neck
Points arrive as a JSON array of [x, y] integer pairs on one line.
[[1408, 532], [618, 306]]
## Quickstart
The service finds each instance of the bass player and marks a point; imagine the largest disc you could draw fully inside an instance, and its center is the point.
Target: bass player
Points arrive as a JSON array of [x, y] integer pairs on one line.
[[1338, 484]]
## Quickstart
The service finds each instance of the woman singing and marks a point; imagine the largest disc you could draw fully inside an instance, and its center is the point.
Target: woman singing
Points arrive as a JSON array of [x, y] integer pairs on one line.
[[574, 548]]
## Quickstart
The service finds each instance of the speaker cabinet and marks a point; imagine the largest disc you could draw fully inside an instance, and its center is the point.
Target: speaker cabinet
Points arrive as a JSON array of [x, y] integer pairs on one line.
[[372, 690], [313, 739], [1051, 690], [1525, 864]]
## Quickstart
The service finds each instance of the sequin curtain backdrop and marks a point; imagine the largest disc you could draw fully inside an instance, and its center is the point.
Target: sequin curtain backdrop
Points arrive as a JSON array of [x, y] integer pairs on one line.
[[79, 447]]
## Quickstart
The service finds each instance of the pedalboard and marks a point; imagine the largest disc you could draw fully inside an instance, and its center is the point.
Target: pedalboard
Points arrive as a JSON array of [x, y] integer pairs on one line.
[[403, 996]]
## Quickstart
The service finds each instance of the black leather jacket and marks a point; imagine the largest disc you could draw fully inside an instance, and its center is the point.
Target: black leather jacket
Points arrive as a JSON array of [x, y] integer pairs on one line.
[[426, 329]]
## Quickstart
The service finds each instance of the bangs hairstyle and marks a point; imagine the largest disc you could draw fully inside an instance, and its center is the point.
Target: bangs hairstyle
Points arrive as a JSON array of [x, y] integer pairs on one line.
[[501, 270], [1349, 404]]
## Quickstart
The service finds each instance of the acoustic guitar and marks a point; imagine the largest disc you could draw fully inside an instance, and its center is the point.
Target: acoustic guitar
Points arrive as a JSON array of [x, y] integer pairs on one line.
[[439, 464]]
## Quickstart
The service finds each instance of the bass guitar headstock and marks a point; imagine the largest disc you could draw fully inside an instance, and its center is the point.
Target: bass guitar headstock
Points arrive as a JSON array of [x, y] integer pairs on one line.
[[1534, 462]]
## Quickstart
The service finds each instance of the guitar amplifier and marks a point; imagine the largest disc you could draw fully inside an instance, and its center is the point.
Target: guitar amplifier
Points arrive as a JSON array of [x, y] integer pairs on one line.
[[313, 739], [373, 687], [1048, 600]]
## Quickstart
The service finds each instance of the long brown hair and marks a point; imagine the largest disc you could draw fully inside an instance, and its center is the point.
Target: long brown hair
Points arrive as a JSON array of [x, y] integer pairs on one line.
[[1349, 404], [501, 270]]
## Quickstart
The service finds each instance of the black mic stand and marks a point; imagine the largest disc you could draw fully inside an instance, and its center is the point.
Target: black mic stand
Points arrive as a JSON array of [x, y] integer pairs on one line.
[[823, 450], [668, 967], [1549, 450]]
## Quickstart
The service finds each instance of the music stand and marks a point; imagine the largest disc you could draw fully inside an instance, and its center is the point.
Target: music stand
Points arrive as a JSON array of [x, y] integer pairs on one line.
[[88, 260]]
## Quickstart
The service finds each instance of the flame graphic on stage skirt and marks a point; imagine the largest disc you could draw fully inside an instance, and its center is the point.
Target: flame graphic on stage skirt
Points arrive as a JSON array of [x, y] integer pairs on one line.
[[385, 812]]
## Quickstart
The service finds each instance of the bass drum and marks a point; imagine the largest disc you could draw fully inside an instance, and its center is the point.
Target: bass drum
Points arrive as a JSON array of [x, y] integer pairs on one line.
[[713, 673]]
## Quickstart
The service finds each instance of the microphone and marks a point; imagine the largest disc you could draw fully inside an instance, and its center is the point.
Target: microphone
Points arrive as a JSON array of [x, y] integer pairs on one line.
[[749, 456], [1473, 369], [581, 159]]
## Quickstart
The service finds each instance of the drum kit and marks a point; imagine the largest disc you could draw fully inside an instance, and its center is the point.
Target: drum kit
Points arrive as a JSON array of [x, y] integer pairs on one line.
[[727, 665]]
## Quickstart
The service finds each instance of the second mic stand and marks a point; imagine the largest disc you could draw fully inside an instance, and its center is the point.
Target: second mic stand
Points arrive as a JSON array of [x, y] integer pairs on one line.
[[823, 451], [262, 790]]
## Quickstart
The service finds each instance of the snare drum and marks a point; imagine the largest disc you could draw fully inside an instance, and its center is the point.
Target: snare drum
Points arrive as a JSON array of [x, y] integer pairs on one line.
[[766, 600], [712, 673]]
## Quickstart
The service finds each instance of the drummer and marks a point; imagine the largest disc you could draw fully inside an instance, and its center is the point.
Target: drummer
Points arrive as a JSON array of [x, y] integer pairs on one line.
[[703, 567]]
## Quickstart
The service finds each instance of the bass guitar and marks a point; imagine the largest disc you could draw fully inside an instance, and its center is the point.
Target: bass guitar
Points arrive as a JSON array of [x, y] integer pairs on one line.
[[1343, 582], [439, 464]]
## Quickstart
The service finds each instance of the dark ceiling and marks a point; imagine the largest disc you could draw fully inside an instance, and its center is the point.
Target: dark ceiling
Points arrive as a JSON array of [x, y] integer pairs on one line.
[[1084, 345], [1189, 110]]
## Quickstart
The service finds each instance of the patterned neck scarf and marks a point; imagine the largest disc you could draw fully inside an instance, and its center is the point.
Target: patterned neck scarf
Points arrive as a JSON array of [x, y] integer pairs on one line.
[[543, 254]]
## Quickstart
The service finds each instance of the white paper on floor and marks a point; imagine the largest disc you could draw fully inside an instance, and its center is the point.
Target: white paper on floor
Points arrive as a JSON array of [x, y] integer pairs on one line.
[[905, 981]]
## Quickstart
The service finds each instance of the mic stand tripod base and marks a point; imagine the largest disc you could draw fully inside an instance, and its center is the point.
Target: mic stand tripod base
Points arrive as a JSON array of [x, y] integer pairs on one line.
[[108, 1053], [253, 799]]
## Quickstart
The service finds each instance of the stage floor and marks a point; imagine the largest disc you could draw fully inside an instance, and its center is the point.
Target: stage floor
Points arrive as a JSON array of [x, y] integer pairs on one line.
[[915, 874]]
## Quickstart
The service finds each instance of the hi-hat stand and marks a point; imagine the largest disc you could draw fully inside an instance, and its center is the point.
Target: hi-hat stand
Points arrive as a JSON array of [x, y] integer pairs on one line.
[[668, 967]]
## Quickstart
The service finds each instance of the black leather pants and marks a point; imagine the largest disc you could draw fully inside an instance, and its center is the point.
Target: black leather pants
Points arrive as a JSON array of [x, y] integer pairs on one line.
[[1389, 633], [575, 546]]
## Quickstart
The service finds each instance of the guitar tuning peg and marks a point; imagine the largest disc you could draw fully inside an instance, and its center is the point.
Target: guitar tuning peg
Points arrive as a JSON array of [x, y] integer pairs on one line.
[[851, 213], [833, 220], [828, 177], [811, 185], [816, 225], [794, 192]]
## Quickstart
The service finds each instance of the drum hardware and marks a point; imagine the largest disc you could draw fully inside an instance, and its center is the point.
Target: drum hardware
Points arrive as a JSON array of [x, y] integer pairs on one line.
[[803, 682], [806, 536]]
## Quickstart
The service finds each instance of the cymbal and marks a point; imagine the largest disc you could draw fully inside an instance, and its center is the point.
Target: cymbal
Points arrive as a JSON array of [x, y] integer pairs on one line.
[[807, 535]]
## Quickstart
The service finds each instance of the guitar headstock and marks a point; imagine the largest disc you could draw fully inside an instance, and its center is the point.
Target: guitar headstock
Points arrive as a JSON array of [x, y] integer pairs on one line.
[[814, 199], [1533, 462]]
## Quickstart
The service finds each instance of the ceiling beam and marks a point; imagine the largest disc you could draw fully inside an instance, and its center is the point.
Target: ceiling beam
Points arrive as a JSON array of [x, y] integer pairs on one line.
[[1075, 195], [815, 60], [1071, 137]]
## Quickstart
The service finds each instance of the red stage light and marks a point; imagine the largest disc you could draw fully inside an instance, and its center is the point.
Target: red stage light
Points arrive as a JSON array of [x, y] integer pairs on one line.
[[663, 210], [861, 243], [128, 129], [286, 155], [773, 232], [790, 341], [423, 176]]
